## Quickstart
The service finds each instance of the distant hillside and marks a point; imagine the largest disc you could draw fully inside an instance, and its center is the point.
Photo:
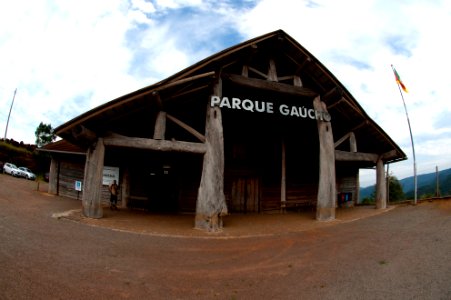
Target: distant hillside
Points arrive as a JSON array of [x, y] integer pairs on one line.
[[23, 155], [426, 185]]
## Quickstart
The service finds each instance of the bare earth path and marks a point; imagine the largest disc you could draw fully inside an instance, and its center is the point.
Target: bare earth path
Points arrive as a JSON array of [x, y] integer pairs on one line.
[[404, 253]]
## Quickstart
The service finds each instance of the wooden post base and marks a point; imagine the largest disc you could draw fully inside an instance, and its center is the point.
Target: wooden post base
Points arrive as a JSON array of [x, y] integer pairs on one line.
[[209, 223], [325, 213], [93, 211]]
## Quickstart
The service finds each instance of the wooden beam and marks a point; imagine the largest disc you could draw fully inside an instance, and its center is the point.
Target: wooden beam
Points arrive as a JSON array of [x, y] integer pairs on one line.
[[185, 80], [83, 134], [364, 123], [185, 92], [157, 145], [336, 103], [389, 155], [342, 139], [336, 93], [258, 72], [352, 141], [283, 78], [188, 128], [302, 65], [270, 86], [355, 156]]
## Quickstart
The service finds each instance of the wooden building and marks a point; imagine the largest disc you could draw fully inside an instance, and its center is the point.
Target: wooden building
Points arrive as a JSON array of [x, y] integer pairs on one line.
[[260, 126]]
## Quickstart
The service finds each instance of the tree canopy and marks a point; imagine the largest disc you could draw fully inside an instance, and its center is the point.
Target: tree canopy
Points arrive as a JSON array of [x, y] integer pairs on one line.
[[395, 190], [44, 134]]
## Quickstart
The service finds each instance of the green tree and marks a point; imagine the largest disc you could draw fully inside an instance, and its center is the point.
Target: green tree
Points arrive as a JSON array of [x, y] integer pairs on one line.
[[44, 134], [395, 190]]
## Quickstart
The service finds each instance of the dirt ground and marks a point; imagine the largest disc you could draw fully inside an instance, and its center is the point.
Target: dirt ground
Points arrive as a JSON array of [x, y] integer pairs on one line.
[[49, 251]]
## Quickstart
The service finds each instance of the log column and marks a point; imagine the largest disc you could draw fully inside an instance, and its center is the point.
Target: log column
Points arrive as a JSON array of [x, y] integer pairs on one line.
[[381, 188], [325, 209], [53, 177], [92, 190], [125, 187], [211, 204]]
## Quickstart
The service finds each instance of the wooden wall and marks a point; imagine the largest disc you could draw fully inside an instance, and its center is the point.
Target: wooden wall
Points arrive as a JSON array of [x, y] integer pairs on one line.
[[348, 182], [69, 172]]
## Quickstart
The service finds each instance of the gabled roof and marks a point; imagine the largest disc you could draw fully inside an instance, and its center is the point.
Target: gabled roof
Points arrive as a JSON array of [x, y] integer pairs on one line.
[[63, 146], [292, 58]]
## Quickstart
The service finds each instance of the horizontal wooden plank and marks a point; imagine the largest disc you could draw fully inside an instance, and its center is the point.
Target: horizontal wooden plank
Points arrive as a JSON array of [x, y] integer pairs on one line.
[[157, 145], [270, 85], [355, 156]]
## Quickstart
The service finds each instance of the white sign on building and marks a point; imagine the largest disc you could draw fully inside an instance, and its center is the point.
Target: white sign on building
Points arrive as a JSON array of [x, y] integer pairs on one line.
[[110, 174]]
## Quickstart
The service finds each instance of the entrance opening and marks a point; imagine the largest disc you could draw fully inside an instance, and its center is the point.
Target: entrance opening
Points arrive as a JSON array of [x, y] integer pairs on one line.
[[163, 182]]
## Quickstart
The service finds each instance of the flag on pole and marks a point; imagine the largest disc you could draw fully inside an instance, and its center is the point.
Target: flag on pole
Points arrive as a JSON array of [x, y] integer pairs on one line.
[[398, 80]]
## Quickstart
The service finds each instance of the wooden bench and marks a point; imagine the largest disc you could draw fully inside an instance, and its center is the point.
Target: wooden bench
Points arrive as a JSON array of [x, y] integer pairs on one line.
[[138, 202], [297, 203]]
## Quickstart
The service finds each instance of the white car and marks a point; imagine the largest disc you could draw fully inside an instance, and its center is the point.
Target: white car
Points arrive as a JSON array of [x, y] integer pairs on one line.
[[11, 169], [26, 173]]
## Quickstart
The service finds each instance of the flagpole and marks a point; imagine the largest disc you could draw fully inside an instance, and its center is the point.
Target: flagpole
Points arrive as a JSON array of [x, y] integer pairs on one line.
[[10, 109], [413, 147]]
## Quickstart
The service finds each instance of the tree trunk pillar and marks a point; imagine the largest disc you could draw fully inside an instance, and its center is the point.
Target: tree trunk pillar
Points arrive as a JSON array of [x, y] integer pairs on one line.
[[211, 205], [325, 209], [92, 191], [381, 188], [53, 177], [125, 187]]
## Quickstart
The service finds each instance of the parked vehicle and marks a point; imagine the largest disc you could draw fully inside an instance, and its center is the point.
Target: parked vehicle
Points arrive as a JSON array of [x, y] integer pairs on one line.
[[26, 173], [11, 169]]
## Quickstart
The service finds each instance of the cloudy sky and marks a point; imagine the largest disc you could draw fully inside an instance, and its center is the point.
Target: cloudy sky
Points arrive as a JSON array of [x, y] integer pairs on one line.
[[66, 57]]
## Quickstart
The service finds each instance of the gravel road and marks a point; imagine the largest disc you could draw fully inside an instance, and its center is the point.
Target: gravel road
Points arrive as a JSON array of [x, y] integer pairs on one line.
[[404, 253]]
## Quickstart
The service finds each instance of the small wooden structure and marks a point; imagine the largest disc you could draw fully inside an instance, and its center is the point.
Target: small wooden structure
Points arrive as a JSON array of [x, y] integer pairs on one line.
[[260, 126]]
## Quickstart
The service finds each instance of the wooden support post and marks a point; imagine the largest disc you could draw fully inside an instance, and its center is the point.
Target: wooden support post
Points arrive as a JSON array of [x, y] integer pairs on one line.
[[272, 72], [125, 187], [352, 142], [381, 188], [160, 126], [53, 177], [245, 71], [211, 204], [92, 190], [283, 184], [325, 209], [297, 81]]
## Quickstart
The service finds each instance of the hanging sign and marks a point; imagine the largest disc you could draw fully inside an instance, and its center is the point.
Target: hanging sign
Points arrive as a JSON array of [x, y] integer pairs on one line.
[[268, 107]]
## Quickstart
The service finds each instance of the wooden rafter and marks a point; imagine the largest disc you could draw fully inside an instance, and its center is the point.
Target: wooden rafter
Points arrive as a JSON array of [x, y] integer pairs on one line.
[[188, 128], [185, 80], [258, 72]]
